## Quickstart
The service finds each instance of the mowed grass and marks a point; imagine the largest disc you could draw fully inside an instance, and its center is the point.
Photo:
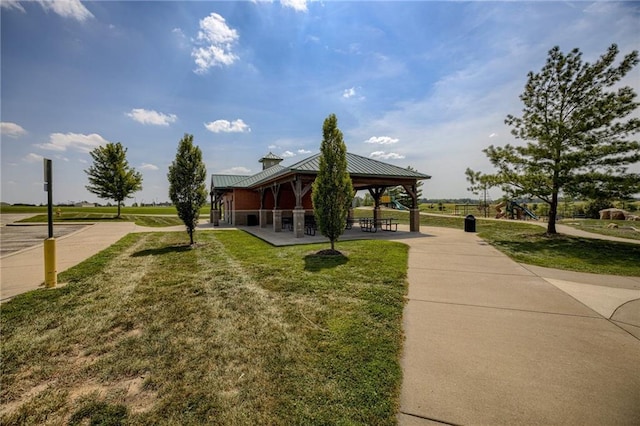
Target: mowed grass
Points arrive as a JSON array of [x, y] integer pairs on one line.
[[141, 220], [527, 243], [624, 229], [234, 331]]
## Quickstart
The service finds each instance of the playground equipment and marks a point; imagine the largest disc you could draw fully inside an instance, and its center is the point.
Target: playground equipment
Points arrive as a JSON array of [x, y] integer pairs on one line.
[[398, 205], [514, 210], [388, 201]]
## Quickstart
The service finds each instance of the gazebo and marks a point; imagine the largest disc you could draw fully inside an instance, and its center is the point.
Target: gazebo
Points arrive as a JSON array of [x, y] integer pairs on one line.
[[280, 194]]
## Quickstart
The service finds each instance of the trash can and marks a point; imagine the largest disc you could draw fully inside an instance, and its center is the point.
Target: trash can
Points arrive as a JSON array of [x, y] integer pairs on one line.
[[470, 223]]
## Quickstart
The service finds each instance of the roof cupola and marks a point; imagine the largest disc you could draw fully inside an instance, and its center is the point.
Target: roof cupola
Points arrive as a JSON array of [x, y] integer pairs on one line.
[[270, 160]]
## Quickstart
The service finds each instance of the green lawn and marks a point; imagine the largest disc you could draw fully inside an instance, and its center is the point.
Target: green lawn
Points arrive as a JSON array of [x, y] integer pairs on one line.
[[526, 243], [141, 220], [133, 211], [234, 331], [625, 228]]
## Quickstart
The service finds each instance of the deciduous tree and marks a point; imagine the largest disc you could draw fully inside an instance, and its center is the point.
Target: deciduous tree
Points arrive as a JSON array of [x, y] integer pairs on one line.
[[332, 189], [577, 130], [110, 176], [187, 174]]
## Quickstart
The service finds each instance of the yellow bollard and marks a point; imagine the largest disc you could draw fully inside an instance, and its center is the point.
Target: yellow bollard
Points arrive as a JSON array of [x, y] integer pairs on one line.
[[50, 271]]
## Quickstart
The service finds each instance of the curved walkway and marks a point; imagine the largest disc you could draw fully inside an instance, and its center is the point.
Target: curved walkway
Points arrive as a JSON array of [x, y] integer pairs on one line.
[[493, 342], [488, 340]]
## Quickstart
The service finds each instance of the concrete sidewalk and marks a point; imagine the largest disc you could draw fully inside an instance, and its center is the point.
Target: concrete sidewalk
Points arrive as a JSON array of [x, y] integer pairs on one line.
[[493, 342]]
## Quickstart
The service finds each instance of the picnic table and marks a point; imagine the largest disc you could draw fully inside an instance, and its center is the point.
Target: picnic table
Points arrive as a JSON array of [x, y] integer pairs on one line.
[[368, 224]]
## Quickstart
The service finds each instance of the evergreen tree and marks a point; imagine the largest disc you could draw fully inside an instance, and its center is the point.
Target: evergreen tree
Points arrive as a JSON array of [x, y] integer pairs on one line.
[[577, 127], [332, 189], [110, 176], [187, 174], [403, 196]]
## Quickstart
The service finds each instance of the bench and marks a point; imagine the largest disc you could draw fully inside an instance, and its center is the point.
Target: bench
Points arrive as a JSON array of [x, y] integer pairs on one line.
[[367, 225], [310, 225], [390, 225]]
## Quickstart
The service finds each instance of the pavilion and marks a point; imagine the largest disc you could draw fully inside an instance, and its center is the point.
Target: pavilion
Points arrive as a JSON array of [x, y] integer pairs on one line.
[[280, 193]]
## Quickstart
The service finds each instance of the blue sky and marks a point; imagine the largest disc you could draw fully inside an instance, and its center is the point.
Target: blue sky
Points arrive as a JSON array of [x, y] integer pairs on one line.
[[424, 84]]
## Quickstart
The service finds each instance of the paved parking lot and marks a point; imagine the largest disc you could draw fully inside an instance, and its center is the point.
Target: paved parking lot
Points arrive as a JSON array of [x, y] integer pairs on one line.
[[15, 238]]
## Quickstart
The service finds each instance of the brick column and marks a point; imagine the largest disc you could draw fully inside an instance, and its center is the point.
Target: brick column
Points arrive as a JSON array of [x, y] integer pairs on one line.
[[263, 218], [277, 220], [414, 220], [298, 222]]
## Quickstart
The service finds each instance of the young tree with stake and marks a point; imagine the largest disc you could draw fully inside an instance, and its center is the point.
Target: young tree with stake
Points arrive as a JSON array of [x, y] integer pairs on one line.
[[332, 189], [187, 174]]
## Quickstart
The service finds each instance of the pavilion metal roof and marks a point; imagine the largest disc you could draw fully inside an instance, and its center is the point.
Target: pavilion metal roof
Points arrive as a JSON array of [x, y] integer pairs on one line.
[[226, 181], [357, 165], [266, 174]]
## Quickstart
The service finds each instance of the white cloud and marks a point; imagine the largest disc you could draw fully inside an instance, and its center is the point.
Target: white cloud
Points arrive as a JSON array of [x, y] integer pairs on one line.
[[382, 140], [349, 93], [237, 126], [303, 151], [12, 4], [155, 118], [287, 154], [214, 42], [493, 135], [239, 170], [147, 166], [297, 5], [11, 130], [33, 158], [272, 146], [381, 155], [73, 9], [77, 141]]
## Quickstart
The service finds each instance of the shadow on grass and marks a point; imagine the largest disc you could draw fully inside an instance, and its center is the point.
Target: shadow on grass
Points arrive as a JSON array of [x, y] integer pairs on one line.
[[316, 262], [162, 250]]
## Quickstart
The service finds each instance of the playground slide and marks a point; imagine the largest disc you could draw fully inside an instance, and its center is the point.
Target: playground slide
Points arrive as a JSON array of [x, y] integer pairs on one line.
[[398, 205], [526, 211]]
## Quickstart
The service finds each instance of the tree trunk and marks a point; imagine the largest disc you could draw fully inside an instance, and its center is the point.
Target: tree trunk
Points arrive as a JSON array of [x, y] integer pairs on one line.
[[553, 211], [332, 244], [118, 216], [191, 235]]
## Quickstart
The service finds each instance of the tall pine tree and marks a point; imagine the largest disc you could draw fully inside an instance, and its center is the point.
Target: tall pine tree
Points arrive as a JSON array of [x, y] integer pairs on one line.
[[332, 189], [578, 131]]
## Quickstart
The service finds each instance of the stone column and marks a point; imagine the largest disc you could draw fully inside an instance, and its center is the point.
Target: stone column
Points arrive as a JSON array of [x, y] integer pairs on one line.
[[414, 220], [277, 220], [263, 218], [298, 222], [215, 217]]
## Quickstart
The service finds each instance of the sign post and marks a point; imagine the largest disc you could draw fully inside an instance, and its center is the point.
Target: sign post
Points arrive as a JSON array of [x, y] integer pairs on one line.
[[50, 272]]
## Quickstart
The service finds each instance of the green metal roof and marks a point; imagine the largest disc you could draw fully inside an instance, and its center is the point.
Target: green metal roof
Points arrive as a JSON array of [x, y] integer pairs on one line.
[[270, 156], [357, 165], [272, 171], [225, 181]]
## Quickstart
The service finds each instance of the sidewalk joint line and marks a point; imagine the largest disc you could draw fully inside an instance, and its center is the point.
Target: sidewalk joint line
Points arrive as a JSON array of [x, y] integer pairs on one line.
[[599, 317], [429, 418], [530, 274]]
